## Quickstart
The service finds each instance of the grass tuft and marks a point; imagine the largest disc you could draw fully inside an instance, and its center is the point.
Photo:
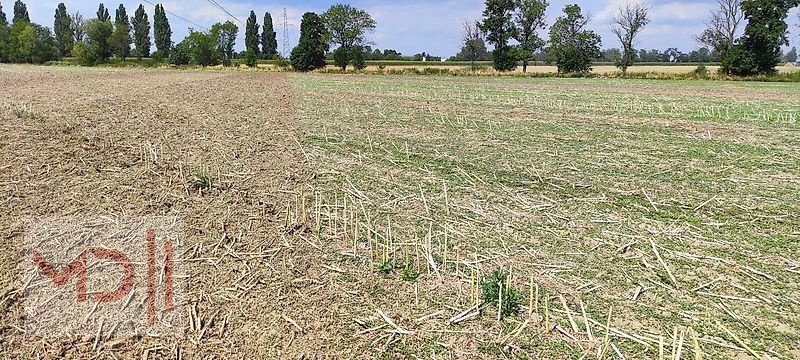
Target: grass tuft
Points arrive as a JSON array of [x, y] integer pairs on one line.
[[409, 274], [492, 286], [385, 267], [202, 181]]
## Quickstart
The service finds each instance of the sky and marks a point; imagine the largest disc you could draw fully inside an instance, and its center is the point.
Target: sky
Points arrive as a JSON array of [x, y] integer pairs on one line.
[[408, 26]]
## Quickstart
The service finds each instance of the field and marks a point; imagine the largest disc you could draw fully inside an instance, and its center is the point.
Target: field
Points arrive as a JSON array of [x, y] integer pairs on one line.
[[486, 69], [544, 69], [358, 216]]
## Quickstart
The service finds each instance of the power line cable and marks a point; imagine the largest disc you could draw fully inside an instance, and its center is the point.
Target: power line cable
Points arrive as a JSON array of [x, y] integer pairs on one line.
[[179, 17], [213, 2]]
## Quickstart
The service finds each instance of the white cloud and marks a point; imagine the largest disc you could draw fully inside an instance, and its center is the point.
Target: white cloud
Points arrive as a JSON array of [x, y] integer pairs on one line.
[[423, 26], [669, 11], [612, 8], [681, 11]]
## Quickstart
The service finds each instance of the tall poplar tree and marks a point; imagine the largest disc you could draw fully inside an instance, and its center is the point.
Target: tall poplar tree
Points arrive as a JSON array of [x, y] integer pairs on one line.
[[269, 41], [162, 32], [141, 33], [3, 18], [251, 37], [102, 13], [21, 12], [63, 30], [4, 31], [121, 38]]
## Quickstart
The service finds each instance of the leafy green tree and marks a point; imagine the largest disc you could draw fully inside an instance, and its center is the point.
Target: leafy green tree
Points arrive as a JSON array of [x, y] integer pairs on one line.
[[269, 41], [162, 32], [310, 51], [4, 31], [626, 25], [31, 43], [63, 29], [98, 45], [21, 12], [102, 13], [528, 19], [121, 37], [347, 28], [181, 54], [499, 29], [251, 38], [204, 48], [390, 54], [613, 54], [141, 33], [225, 36], [572, 47], [791, 56], [759, 50]]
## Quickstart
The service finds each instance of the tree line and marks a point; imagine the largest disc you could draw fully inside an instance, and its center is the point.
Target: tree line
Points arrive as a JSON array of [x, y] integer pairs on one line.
[[511, 27], [96, 40], [572, 46]]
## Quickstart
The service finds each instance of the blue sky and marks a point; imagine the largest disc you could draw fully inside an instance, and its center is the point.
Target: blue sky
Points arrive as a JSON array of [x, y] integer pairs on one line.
[[410, 26]]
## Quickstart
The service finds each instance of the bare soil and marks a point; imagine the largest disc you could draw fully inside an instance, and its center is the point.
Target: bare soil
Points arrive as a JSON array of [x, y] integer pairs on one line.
[[90, 142]]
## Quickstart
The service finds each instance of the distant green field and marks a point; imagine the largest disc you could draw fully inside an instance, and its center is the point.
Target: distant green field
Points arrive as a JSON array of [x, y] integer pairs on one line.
[[134, 61]]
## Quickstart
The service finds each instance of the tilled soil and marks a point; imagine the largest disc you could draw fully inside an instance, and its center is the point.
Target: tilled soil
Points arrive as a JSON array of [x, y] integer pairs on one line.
[[94, 142]]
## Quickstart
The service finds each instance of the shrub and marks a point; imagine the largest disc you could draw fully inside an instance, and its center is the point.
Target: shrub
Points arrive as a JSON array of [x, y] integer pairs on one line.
[[281, 63], [701, 72], [83, 55], [435, 71], [504, 59], [359, 62], [739, 61], [250, 58], [157, 56], [180, 55], [341, 57]]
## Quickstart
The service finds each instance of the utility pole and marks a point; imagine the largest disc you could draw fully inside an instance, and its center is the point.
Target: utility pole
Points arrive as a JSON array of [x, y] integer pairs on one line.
[[285, 34]]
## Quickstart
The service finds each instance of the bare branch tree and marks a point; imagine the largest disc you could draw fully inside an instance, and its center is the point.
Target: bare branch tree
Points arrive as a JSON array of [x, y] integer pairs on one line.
[[722, 27], [473, 42], [78, 25], [626, 25]]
